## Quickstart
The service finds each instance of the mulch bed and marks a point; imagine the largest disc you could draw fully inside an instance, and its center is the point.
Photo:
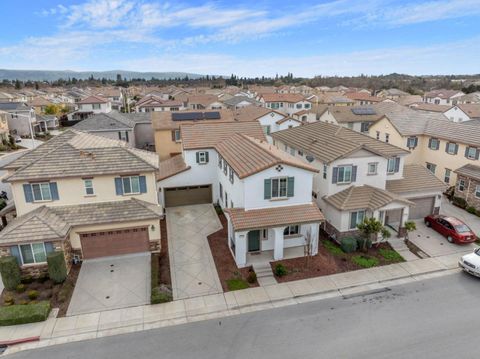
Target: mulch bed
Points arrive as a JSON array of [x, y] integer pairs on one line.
[[326, 263], [164, 262], [59, 295], [226, 266]]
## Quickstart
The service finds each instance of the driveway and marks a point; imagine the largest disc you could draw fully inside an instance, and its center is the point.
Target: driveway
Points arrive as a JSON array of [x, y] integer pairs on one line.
[[191, 263], [111, 283]]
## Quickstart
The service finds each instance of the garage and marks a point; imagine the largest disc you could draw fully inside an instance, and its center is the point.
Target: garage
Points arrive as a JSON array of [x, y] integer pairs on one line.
[[184, 196], [114, 243], [423, 207]]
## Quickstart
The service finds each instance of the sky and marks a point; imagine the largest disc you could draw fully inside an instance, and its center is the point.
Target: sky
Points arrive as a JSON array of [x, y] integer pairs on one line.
[[247, 38]]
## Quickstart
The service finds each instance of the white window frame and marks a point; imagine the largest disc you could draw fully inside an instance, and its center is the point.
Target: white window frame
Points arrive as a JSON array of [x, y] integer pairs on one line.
[[437, 142], [449, 145], [375, 166], [202, 157], [477, 191], [325, 171], [474, 153], [279, 188], [267, 129], [96, 106], [461, 185], [387, 138], [292, 230], [176, 135], [391, 160], [357, 221], [88, 187], [411, 142], [41, 187], [129, 179], [33, 254], [344, 172]]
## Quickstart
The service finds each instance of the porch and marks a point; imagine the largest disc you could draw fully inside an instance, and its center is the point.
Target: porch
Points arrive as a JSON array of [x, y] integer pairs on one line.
[[267, 256]]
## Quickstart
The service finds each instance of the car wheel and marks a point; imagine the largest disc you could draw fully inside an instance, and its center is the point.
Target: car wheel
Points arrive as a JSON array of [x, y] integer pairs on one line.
[[427, 223], [450, 239]]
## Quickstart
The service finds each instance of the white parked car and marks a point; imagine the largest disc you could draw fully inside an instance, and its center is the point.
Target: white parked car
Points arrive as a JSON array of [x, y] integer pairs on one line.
[[470, 263]]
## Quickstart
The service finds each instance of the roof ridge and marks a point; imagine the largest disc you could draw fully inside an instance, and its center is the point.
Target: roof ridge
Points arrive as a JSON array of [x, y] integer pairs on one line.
[[131, 150]]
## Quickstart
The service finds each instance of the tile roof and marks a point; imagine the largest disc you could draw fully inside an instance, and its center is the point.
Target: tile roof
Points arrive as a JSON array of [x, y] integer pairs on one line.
[[112, 121], [424, 106], [252, 113], [328, 142], [171, 167], [363, 197], [55, 222], [274, 217], [74, 153], [469, 171], [282, 97], [416, 178], [163, 120], [346, 114], [92, 99], [208, 134], [363, 96], [235, 100], [442, 93], [248, 156], [471, 109]]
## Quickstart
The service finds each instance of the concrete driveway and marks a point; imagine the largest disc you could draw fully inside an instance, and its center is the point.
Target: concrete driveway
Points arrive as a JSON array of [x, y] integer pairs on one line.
[[111, 283], [191, 263]]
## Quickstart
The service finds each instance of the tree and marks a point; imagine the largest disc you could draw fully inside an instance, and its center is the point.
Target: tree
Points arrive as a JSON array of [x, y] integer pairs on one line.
[[18, 85], [370, 228], [51, 109], [410, 226]]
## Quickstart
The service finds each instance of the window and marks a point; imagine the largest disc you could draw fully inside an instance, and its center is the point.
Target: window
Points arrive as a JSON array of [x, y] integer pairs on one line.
[[220, 162], [372, 168], [225, 166], [96, 106], [350, 125], [220, 188], [226, 199], [461, 185], [299, 105], [279, 187], [123, 136], [451, 148], [378, 135], [300, 152], [291, 230], [446, 179], [393, 165], [434, 144], [477, 191], [292, 151], [202, 157], [266, 129], [356, 218], [88, 183], [176, 135], [307, 105], [325, 168], [431, 167], [412, 142], [231, 174], [31, 253], [471, 153], [344, 174], [364, 126], [131, 185], [387, 138], [41, 192]]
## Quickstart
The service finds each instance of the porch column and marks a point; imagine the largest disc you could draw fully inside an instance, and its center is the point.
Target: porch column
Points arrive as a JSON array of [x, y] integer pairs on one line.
[[241, 249], [278, 243]]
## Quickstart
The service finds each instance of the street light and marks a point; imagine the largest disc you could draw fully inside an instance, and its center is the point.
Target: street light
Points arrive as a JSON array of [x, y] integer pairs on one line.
[[30, 126]]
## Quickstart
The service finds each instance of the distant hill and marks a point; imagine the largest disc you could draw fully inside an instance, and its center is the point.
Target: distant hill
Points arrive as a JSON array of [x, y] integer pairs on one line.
[[46, 75]]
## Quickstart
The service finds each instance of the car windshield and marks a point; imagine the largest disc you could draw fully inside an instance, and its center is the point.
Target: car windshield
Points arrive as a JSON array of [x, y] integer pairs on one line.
[[477, 251], [462, 228]]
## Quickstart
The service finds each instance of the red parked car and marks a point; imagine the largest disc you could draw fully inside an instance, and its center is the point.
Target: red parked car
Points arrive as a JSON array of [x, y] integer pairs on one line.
[[454, 229]]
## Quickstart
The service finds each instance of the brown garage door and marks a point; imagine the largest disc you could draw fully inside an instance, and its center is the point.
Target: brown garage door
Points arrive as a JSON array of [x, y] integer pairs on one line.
[[423, 207], [183, 196], [114, 243]]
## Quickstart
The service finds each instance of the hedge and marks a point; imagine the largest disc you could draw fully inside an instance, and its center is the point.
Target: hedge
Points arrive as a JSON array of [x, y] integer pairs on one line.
[[57, 270], [348, 244], [23, 314], [10, 272]]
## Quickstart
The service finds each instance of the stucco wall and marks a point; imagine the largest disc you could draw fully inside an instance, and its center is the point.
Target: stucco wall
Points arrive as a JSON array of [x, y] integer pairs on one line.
[[164, 145]]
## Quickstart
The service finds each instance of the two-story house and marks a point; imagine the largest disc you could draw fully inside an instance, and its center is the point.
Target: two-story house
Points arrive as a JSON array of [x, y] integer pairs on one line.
[[434, 142], [442, 97], [357, 118], [463, 112], [22, 120], [151, 103], [87, 195], [288, 103], [94, 104], [468, 185], [114, 95], [355, 176], [264, 192]]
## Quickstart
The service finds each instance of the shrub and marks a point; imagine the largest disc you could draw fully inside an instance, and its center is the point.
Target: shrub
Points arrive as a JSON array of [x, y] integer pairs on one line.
[[57, 270], [361, 242], [252, 277], [23, 302], [390, 255], [23, 314], [218, 209], [472, 210], [349, 244], [10, 272], [280, 270], [154, 270], [32, 294], [27, 279], [460, 202], [161, 294], [236, 284], [365, 261], [20, 288], [42, 278], [65, 292], [8, 299], [332, 247]]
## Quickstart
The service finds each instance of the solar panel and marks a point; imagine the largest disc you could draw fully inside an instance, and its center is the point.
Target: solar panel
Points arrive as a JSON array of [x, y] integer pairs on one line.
[[363, 111], [195, 116]]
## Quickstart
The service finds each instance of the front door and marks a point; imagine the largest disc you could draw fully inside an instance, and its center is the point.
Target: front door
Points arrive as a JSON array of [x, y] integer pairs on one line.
[[253, 241]]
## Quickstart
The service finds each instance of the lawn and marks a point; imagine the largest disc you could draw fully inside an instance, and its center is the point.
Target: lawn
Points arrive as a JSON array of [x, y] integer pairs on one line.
[[331, 259]]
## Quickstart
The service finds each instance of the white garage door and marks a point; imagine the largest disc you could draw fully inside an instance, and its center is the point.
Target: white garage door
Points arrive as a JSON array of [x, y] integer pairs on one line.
[[423, 207]]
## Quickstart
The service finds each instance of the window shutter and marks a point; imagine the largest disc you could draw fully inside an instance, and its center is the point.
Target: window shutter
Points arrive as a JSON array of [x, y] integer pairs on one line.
[[429, 143], [54, 191], [267, 189], [197, 155], [335, 175], [354, 173], [416, 141], [126, 135], [49, 247], [466, 151], [143, 184], [397, 164], [446, 147], [290, 186], [119, 135], [173, 135], [118, 186], [14, 252], [456, 148], [27, 190], [206, 156], [477, 154]]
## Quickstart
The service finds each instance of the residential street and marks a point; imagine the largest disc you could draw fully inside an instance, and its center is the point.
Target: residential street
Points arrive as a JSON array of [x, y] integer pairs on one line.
[[436, 318]]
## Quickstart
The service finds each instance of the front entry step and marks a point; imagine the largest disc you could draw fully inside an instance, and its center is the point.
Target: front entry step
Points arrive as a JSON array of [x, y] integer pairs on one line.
[[264, 273]]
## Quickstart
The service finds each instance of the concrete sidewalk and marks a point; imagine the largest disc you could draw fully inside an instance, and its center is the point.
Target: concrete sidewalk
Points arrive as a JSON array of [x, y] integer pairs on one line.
[[113, 322]]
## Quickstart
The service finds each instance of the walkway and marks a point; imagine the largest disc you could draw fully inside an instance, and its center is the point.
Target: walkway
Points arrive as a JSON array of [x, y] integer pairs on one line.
[[192, 268]]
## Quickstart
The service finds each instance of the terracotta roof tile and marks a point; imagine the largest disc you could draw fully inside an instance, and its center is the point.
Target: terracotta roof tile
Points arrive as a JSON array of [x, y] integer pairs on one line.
[[415, 178], [171, 167]]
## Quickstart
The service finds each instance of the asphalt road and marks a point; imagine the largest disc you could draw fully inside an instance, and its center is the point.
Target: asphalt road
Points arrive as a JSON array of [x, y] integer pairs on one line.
[[436, 318]]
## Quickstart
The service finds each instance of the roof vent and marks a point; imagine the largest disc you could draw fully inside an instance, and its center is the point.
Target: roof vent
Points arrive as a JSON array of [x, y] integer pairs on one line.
[[309, 158]]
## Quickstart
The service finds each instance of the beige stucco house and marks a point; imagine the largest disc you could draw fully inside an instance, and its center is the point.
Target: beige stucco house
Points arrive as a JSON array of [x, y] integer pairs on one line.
[[84, 194]]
